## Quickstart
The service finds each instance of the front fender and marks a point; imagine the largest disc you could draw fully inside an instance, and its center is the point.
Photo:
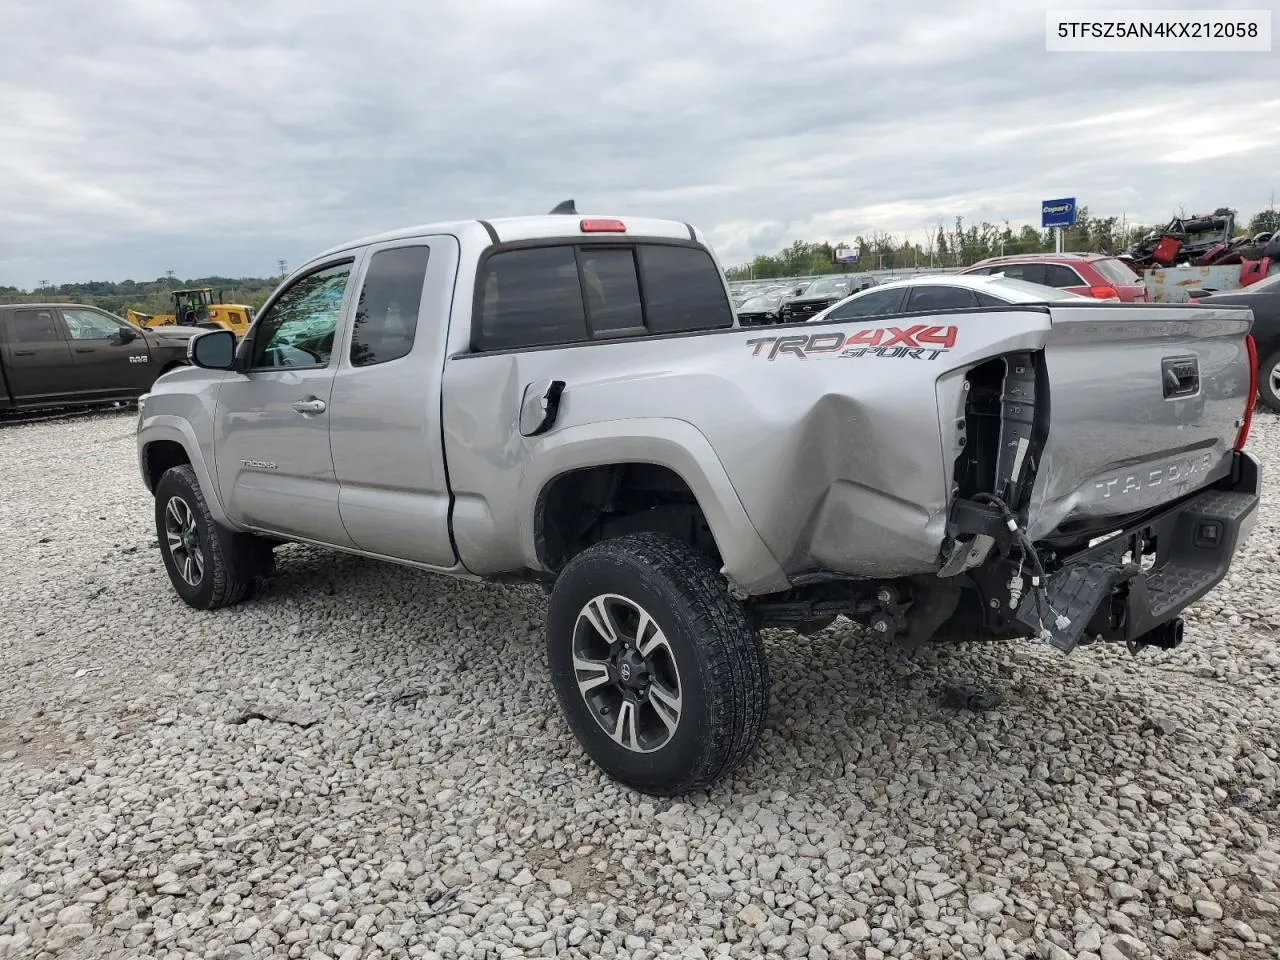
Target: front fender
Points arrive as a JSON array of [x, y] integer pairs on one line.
[[680, 447], [166, 427]]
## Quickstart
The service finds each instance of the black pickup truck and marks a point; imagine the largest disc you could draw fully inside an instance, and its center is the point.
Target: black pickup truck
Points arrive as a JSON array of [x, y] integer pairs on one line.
[[66, 354]]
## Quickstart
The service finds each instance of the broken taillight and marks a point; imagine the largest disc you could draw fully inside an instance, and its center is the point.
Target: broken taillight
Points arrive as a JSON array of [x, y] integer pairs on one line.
[[603, 226], [1243, 436], [1104, 293]]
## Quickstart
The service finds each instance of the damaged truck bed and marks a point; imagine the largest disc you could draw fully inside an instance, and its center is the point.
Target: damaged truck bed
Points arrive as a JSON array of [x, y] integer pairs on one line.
[[1066, 472]]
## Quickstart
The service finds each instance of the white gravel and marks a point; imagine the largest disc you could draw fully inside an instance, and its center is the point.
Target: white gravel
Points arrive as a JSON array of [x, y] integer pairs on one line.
[[412, 789]]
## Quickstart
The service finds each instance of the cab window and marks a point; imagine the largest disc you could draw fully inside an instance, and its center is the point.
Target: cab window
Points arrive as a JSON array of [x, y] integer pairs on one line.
[[298, 329], [35, 326], [387, 311], [570, 293], [89, 325]]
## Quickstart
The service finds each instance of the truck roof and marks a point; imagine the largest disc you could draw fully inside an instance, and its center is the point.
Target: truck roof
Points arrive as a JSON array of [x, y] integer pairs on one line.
[[546, 226]]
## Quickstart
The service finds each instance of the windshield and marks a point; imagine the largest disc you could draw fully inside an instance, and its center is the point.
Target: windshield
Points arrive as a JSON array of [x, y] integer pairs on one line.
[[756, 304], [827, 287], [1116, 272]]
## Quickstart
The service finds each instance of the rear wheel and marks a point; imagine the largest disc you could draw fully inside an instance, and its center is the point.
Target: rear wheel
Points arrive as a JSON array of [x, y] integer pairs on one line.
[[1269, 381], [658, 670], [209, 565]]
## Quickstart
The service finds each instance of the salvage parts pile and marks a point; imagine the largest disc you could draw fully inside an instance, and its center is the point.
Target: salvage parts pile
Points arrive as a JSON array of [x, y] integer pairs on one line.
[[1206, 242]]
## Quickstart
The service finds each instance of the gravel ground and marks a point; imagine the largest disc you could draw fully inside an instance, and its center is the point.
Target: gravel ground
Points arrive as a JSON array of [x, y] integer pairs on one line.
[[367, 762]]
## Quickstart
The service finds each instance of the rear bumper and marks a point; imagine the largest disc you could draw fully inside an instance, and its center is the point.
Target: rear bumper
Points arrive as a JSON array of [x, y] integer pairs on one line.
[[1133, 585]]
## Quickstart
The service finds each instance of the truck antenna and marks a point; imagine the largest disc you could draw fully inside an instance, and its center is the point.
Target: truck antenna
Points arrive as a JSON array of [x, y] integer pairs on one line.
[[565, 207]]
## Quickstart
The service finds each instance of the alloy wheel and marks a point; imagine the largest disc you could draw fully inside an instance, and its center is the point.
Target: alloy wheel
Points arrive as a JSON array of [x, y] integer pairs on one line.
[[184, 540], [626, 673]]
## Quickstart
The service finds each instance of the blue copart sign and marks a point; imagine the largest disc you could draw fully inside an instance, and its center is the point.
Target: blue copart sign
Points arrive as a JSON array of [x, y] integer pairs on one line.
[[1058, 213]]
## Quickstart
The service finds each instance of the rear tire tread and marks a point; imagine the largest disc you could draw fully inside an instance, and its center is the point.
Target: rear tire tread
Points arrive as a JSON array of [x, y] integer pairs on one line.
[[738, 672]]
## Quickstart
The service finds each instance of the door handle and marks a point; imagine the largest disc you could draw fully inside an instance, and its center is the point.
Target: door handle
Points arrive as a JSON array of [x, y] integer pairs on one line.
[[24, 353], [310, 405], [84, 349]]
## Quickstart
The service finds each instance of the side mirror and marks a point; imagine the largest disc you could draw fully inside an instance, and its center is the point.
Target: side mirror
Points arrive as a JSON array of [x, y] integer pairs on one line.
[[124, 335], [215, 350]]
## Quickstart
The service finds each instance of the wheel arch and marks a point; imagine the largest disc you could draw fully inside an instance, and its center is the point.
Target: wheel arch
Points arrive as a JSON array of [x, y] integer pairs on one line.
[[168, 441], [677, 449]]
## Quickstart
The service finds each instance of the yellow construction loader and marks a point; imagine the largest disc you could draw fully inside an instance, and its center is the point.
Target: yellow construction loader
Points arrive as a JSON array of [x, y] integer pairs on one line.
[[196, 308]]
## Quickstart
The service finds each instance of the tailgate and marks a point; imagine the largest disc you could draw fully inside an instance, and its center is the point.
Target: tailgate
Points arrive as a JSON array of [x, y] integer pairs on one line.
[[1145, 403]]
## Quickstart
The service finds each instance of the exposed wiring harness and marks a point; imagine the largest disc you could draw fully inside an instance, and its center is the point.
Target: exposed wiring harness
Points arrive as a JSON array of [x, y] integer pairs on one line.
[[1027, 554]]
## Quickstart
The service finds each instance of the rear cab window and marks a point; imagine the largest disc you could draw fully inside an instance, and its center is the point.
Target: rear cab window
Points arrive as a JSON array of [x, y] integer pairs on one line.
[[563, 293]]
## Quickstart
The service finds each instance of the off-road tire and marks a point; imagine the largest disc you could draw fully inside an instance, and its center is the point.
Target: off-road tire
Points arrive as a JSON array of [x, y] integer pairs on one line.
[[231, 559], [1266, 391], [723, 674]]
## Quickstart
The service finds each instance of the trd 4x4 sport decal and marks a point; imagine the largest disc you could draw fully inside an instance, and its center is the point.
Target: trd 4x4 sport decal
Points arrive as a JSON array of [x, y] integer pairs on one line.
[[918, 342]]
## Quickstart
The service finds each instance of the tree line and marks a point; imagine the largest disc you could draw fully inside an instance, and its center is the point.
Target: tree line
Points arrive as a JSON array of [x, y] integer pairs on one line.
[[962, 245], [957, 246], [154, 296]]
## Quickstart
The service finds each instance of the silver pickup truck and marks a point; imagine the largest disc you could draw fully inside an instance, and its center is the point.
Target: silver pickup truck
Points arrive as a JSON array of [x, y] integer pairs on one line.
[[569, 399]]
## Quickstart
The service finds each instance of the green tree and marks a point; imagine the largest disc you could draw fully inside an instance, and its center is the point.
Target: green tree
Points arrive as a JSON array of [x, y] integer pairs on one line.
[[1265, 221]]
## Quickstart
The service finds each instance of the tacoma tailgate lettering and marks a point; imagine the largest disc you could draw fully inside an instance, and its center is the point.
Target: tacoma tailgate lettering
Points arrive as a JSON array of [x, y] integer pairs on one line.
[[1134, 482]]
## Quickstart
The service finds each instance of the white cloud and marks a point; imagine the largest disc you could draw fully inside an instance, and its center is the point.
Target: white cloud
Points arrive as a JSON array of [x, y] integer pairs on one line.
[[207, 138]]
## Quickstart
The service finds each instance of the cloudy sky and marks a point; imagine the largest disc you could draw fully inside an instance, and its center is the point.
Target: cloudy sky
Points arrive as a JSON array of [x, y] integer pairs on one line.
[[219, 136]]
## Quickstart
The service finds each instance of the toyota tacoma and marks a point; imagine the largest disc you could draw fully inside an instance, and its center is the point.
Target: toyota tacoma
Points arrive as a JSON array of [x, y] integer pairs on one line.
[[568, 399]]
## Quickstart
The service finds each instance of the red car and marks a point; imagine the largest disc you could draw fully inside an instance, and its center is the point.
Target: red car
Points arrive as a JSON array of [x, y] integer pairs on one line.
[[1089, 274]]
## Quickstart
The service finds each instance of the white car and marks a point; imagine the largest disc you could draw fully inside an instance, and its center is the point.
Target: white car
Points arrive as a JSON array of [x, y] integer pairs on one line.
[[947, 291]]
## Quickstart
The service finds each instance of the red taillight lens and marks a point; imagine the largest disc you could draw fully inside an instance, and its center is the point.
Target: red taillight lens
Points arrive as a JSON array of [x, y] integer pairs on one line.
[[1104, 293], [603, 226], [1243, 436], [1192, 300]]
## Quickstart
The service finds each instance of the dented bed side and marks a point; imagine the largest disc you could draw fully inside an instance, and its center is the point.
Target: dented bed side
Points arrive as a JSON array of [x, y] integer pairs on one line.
[[840, 444]]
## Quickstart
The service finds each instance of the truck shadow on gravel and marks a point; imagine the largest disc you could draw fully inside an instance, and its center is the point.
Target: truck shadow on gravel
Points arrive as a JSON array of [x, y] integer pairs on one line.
[[844, 708]]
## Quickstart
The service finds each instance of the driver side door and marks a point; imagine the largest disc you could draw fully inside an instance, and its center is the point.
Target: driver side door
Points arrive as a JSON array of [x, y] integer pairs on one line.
[[104, 365], [274, 465]]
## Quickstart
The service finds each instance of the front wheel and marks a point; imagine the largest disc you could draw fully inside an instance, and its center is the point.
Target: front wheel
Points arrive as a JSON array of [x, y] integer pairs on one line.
[[658, 670], [208, 565]]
